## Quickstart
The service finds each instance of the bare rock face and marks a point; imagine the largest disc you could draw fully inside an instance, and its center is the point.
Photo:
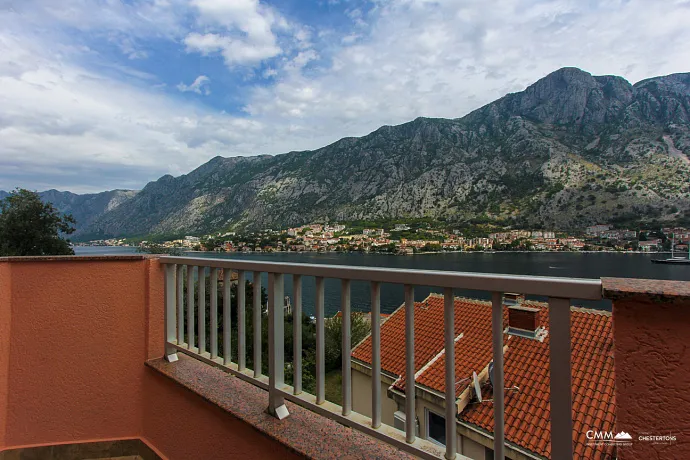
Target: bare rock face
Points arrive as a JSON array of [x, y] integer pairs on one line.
[[570, 150]]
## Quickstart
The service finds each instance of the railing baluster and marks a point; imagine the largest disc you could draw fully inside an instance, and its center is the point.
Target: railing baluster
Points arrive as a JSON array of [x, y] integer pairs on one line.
[[561, 386], [214, 312], [179, 269], [320, 343], [227, 316], [170, 352], [256, 293], [375, 354], [410, 420], [346, 346], [180, 304], [190, 307], [297, 334], [241, 322], [201, 305], [499, 387], [451, 408], [276, 346]]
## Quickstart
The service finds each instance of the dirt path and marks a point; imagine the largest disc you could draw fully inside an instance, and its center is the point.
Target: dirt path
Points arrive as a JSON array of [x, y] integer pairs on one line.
[[674, 152]]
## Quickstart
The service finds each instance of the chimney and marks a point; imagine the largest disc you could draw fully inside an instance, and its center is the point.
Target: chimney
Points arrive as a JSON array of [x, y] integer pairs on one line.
[[510, 299], [523, 321]]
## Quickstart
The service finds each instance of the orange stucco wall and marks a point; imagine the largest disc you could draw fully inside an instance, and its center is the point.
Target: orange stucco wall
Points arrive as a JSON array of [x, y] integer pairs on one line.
[[176, 420], [74, 337], [5, 319], [652, 366], [76, 352]]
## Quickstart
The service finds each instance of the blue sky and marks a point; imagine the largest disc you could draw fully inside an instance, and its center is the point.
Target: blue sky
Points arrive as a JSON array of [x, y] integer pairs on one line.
[[104, 94]]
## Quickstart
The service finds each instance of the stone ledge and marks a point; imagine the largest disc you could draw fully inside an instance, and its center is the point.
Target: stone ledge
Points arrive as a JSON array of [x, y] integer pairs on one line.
[[304, 432], [652, 290]]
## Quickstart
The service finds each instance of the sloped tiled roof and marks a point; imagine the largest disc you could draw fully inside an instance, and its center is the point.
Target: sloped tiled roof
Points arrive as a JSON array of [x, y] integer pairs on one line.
[[527, 411], [428, 341]]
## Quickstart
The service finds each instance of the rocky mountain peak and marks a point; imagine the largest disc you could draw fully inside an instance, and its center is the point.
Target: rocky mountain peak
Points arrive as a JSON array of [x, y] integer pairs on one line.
[[572, 97], [662, 99], [678, 83]]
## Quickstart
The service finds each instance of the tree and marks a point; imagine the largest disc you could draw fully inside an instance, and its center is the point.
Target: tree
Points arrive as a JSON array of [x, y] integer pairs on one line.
[[29, 227], [359, 327]]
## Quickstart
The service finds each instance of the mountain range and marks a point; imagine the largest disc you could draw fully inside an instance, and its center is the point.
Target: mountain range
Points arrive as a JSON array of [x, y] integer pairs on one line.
[[570, 150], [86, 207]]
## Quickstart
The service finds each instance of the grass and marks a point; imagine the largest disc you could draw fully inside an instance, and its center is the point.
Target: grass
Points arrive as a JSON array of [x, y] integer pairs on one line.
[[334, 381]]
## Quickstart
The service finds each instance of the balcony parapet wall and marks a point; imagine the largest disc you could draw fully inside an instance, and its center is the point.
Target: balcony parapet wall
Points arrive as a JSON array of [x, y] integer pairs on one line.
[[74, 349], [75, 334], [651, 325], [76, 331]]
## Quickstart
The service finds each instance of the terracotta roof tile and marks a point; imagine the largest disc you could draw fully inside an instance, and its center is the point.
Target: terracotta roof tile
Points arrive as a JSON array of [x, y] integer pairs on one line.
[[527, 412]]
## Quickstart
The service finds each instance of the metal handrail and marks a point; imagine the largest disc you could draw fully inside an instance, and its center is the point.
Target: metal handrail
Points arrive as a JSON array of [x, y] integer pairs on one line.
[[571, 288], [558, 290]]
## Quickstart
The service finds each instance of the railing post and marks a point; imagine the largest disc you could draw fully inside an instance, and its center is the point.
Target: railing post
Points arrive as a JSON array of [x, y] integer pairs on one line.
[[499, 387], [561, 386], [320, 343], [256, 293], [375, 355], [241, 322], [170, 330], [180, 304], [227, 316], [410, 417], [214, 312], [451, 408], [297, 334], [190, 307], [346, 346], [201, 309], [276, 346]]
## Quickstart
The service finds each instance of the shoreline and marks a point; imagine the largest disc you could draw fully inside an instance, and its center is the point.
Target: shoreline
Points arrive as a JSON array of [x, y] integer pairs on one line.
[[395, 253], [422, 253]]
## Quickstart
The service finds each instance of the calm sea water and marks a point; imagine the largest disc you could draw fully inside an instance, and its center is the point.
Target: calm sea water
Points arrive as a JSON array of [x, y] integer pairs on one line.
[[575, 265]]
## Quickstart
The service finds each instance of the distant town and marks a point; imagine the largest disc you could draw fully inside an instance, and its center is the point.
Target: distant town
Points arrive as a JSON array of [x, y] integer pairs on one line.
[[419, 238]]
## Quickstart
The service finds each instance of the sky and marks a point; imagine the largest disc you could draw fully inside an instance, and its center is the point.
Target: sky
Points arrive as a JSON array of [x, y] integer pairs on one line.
[[111, 94]]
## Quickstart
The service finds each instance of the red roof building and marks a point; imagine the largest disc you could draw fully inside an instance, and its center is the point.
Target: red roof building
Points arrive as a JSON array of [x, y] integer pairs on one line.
[[526, 373]]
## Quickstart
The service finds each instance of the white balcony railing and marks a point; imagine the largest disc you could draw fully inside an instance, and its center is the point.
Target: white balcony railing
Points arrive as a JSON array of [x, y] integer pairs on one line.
[[558, 290]]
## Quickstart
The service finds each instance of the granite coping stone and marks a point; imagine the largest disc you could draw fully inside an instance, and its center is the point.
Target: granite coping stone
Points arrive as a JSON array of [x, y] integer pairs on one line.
[[304, 432], [653, 290], [74, 258]]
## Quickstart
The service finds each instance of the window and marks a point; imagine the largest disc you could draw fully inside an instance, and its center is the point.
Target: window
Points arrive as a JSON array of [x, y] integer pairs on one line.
[[436, 427]]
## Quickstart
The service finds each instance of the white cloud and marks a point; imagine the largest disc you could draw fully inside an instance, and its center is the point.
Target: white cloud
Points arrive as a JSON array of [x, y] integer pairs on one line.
[[129, 47], [199, 86], [234, 51], [71, 119], [243, 31], [445, 58], [67, 127]]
